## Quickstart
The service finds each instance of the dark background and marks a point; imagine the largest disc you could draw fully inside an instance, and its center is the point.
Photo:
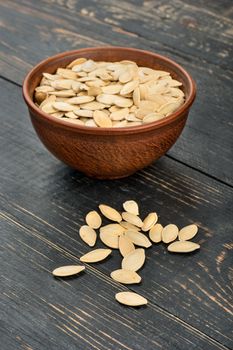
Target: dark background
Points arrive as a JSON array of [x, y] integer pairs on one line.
[[43, 202]]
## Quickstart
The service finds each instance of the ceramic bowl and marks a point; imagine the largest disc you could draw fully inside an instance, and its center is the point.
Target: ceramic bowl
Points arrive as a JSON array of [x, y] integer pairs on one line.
[[108, 153]]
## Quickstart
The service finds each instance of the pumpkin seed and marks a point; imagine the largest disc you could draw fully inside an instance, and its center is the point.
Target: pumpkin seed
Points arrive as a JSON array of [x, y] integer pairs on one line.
[[187, 232], [96, 255], [115, 229], [88, 235], [129, 226], [138, 238], [130, 299], [183, 247], [110, 213], [169, 233], [93, 219], [126, 246], [68, 270], [120, 114], [132, 219], [110, 240], [125, 276], [131, 207], [102, 120], [80, 99], [63, 106], [134, 260], [155, 233], [149, 221]]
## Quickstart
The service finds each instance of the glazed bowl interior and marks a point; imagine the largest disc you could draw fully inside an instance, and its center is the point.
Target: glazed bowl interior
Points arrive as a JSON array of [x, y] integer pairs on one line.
[[111, 54]]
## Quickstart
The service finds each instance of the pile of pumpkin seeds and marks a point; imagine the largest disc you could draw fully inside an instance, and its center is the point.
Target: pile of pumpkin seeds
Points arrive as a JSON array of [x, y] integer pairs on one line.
[[131, 236], [108, 94]]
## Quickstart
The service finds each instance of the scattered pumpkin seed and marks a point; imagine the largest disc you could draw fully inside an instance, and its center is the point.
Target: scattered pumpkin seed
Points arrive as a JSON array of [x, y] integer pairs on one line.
[[93, 219], [187, 232], [169, 233], [68, 270], [88, 235], [183, 247], [125, 276], [134, 260], [130, 299], [96, 255]]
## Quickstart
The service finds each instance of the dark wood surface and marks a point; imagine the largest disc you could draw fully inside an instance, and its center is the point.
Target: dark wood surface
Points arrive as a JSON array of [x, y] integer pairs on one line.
[[43, 202]]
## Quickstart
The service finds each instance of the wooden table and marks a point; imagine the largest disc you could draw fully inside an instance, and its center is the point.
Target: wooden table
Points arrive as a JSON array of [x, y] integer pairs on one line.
[[43, 202]]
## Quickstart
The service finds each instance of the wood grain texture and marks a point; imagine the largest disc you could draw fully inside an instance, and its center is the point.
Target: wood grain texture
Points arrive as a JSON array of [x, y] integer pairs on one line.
[[50, 200], [43, 312], [209, 130]]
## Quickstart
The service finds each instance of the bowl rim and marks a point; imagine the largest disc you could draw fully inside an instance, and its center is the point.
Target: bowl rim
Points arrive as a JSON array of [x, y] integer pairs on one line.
[[114, 131]]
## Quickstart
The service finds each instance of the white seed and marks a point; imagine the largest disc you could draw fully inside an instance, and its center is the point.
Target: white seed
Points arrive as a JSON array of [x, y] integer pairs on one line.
[[76, 62], [149, 221], [102, 120], [130, 299], [93, 219], [63, 106], [183, 247], [68, 270], [187, 232], [126, 246], [138, 238], [134, 260], [110, 240], [152, 117], [83, 113], [120, 114], [80, 99], [112, 89], [110, 213], [122, 101], [155, 233], [115, 229], [129, 87], [129, 226], [125, 276], [131, 207], [96, 255], [132, 219], [169, 233], [88, 235]]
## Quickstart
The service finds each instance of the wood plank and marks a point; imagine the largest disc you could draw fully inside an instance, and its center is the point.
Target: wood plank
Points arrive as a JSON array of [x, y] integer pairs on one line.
[[208, 38], [45, 196], [75, 313], [209, 130]]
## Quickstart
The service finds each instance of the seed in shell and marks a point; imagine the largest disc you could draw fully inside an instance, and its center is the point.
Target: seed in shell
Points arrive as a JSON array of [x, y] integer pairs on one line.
[[129, 226], [93, 219], [187, 232], [68, 270], [169, 233], [88, 235], [126, 246], [130, 299], [131, 207], [125, 276], [110, 213], [155, 233], [111, 240], [149, 221], [96, 255], [134, 260], [115, 229], [132, 219], [183, 247], [138, 238]]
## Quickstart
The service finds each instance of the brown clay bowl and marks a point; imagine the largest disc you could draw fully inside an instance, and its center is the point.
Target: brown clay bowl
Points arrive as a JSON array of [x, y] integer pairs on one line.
[[108, 153]]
